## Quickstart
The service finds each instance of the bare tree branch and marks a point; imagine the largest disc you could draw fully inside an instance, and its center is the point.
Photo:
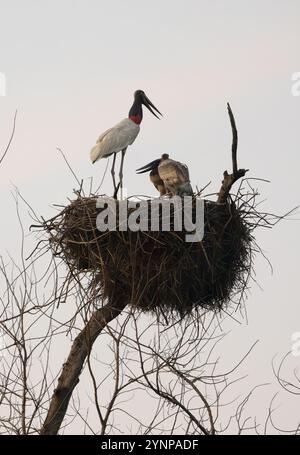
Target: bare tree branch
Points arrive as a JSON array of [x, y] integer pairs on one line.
[[230, 179], [73, 366], [234, 140]]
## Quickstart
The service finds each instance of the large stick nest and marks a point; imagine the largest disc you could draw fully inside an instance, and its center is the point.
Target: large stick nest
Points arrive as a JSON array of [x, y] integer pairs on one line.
[[159, 271]]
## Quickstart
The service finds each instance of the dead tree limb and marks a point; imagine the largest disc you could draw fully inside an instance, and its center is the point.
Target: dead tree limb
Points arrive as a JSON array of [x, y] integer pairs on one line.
[[234, 140], [230, 179], [69, 377]]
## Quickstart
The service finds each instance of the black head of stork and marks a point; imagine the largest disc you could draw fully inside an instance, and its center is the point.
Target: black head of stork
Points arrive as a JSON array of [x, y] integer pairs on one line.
[[136, 111]]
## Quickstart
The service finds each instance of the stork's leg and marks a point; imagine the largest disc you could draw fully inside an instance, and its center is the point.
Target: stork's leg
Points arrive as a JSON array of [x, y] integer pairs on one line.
[[113, 172], [121, 171]]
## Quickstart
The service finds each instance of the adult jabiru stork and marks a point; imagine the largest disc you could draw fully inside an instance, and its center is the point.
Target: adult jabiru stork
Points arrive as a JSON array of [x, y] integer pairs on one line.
[[169, 176], [123, 134]]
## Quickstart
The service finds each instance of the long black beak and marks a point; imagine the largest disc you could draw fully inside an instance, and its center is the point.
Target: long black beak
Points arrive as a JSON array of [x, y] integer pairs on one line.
[[148, 167], [146, 102]]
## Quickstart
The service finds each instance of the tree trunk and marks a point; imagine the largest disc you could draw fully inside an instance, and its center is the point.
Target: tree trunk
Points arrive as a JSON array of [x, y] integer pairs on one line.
[[71, 371]]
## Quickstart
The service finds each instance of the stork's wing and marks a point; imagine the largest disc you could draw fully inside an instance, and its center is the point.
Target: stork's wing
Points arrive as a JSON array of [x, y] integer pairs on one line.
[[115, 139], [173, 172], [184, 171], [102, 136]]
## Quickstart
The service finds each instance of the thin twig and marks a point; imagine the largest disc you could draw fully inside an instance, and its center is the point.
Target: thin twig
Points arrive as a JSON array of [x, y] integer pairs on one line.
[[67, 163], [11, 138]]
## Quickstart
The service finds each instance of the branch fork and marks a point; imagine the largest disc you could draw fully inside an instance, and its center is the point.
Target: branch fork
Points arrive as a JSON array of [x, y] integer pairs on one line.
[[230, 179]]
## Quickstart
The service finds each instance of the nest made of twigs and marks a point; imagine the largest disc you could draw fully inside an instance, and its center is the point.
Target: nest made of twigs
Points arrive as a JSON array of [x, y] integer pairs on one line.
[[158, 271]]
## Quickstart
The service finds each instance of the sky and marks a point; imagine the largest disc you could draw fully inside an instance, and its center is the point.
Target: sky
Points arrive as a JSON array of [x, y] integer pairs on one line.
[[71, 67]]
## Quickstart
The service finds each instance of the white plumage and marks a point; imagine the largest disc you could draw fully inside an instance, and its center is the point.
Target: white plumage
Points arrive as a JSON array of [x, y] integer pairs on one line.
[[115, 139], [123, 134]]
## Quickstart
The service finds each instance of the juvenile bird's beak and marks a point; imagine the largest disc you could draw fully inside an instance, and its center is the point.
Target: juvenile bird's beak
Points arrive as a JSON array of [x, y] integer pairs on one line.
[[146, 102], [148, 167]]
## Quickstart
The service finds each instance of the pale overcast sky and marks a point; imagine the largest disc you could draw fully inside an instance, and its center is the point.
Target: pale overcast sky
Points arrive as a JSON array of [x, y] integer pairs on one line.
[[71, 68]]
